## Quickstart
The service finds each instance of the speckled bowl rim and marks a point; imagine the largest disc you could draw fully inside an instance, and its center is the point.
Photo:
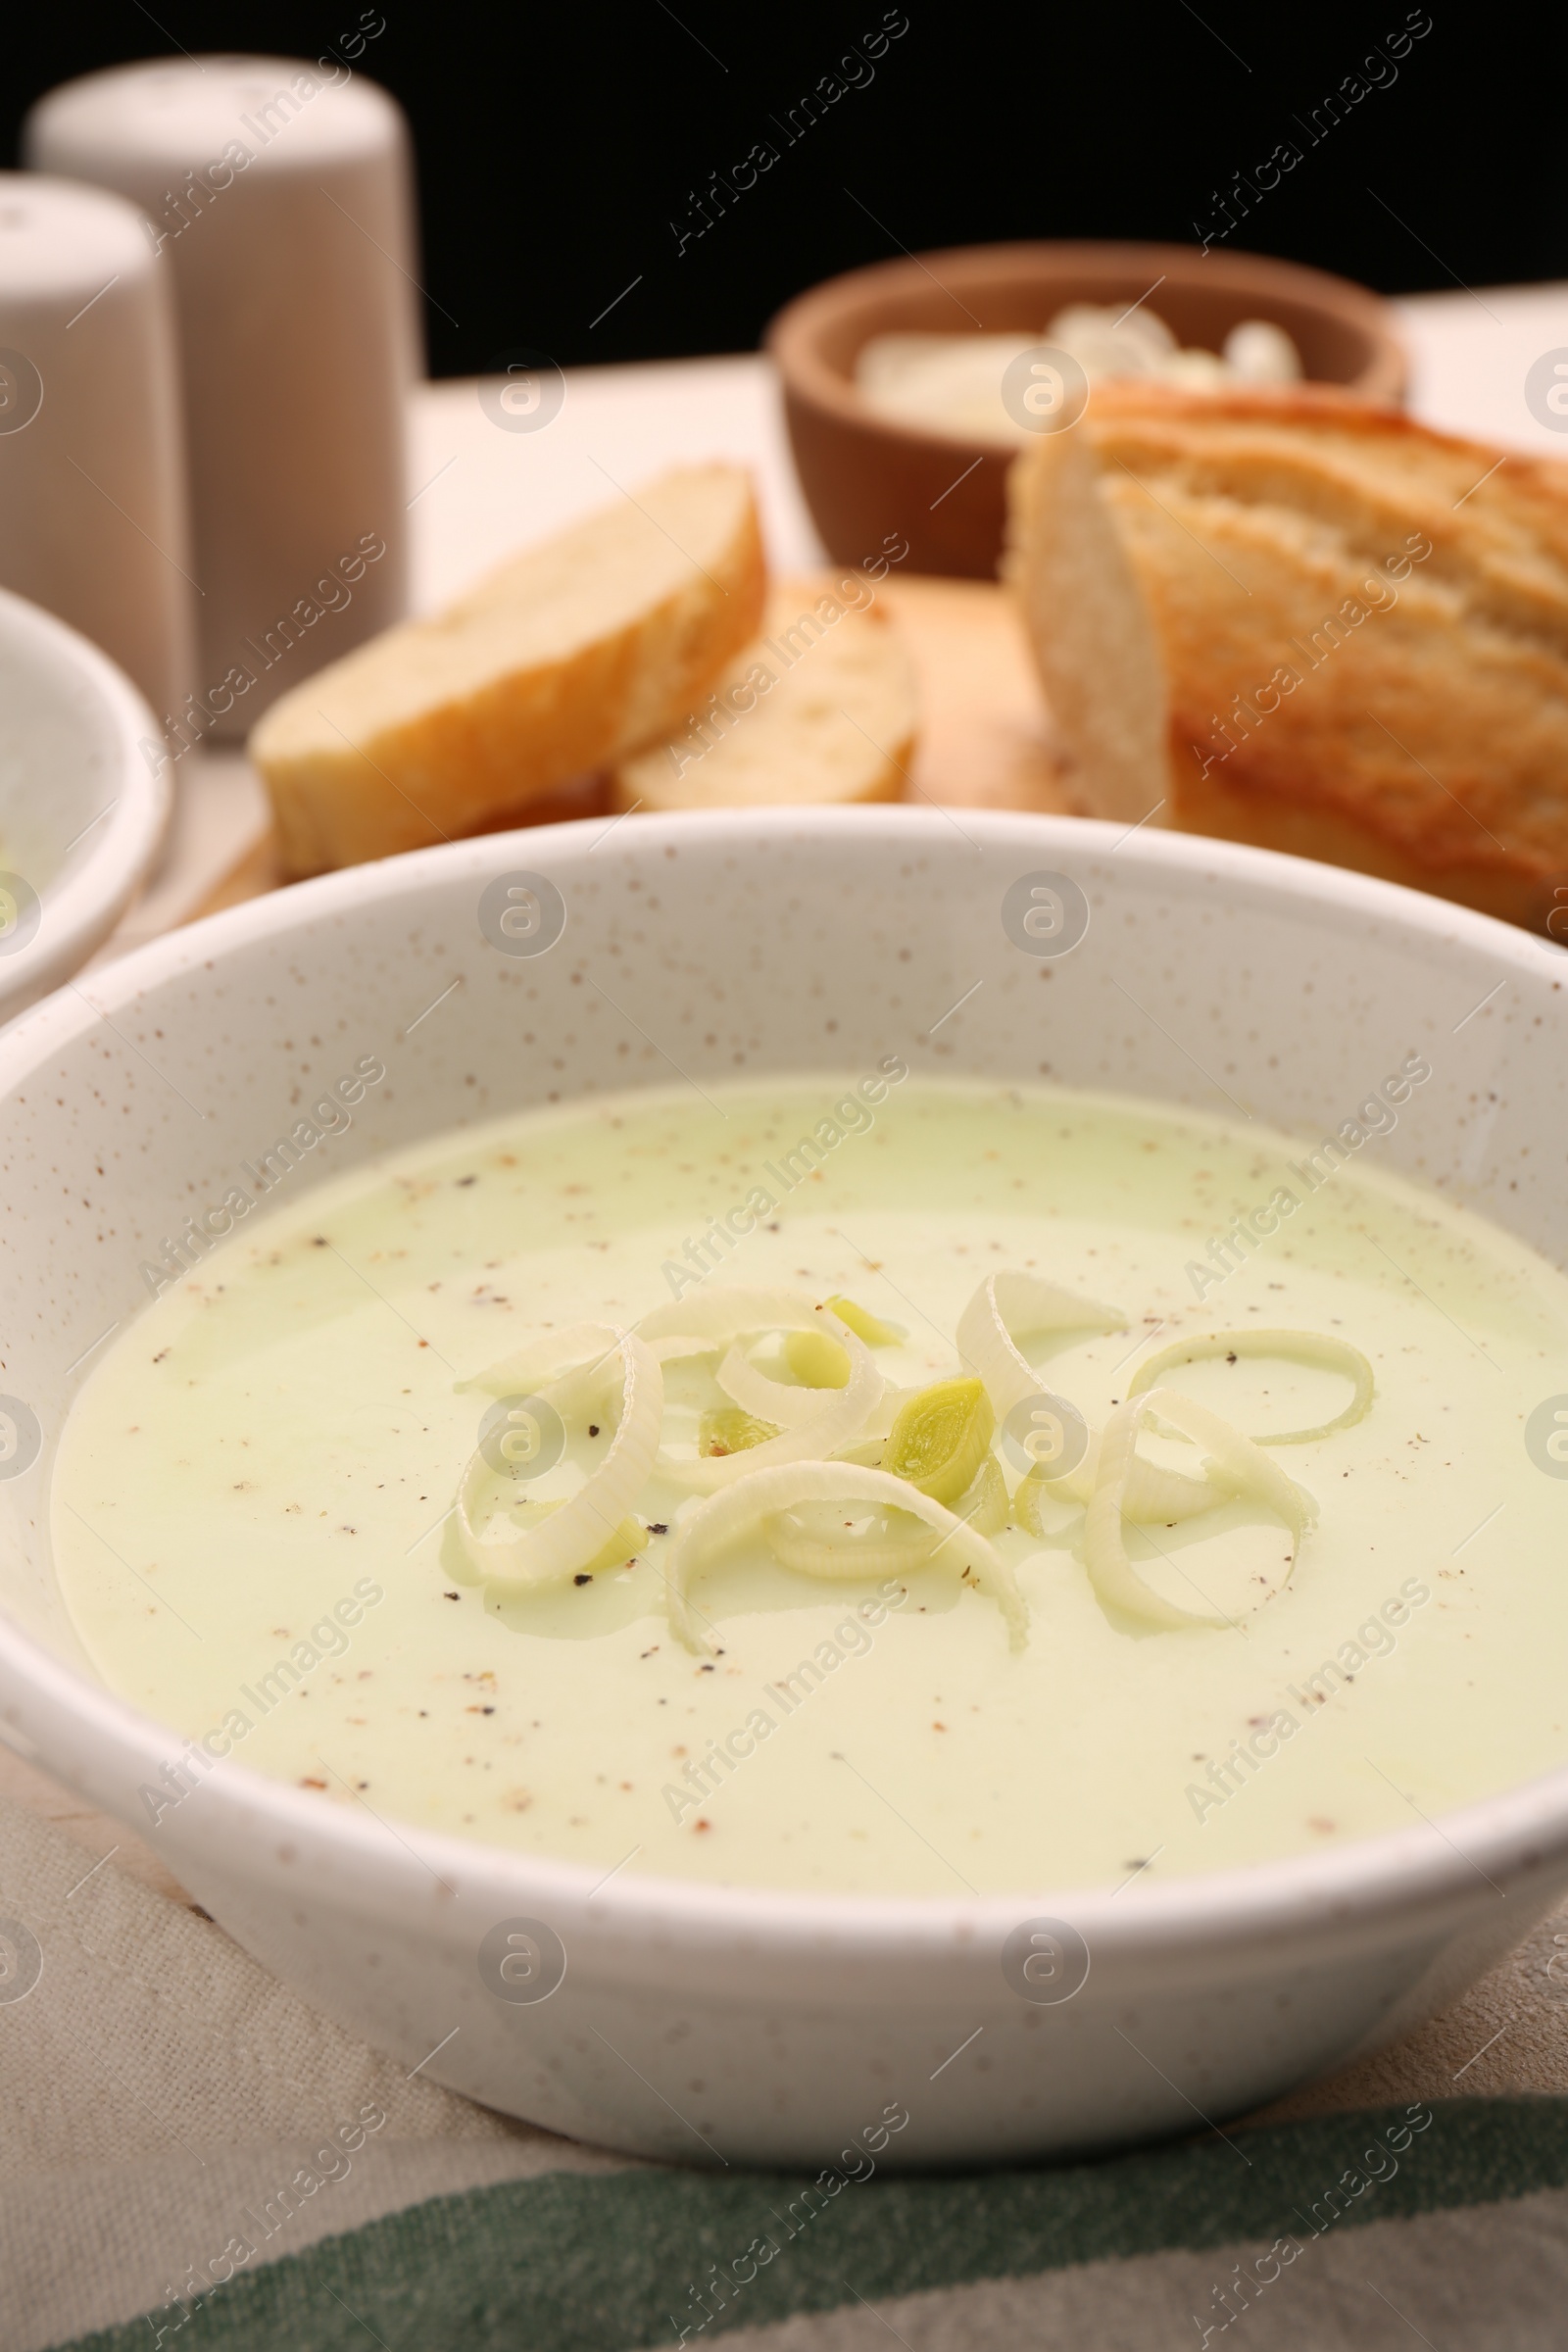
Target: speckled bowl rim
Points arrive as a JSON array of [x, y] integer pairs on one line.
[[83, 909]]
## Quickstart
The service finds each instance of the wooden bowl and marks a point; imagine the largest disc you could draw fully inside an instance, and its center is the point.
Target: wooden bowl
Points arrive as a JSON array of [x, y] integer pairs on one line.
[[868, 480]]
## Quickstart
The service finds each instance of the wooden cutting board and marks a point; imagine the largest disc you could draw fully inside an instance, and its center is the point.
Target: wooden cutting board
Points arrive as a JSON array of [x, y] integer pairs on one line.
[[986, 739], [986, 736]]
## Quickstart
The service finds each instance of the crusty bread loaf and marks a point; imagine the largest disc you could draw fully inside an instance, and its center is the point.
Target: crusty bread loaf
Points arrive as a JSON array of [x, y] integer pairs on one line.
[[565, 659], [1304, 621], [820, 709]]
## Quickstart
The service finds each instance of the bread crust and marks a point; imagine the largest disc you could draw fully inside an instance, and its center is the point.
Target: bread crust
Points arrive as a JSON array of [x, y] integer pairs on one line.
[[516, 737], [1362, 631]]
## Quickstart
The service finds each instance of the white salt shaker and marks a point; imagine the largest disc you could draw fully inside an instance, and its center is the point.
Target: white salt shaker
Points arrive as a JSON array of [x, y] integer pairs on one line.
[[277, 197], [93, 483]]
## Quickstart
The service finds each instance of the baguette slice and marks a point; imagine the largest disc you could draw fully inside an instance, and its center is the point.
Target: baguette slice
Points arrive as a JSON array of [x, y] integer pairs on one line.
[[568, 657], [1303, 621], [822, 709]]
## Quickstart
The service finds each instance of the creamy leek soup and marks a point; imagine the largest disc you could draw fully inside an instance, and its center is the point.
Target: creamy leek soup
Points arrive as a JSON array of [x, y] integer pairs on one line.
[[861, 1484]]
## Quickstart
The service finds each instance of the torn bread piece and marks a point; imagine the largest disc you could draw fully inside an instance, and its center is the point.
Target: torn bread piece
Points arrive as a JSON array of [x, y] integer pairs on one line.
[[557, 664], [1090, 624], [820, 709], [1359, 628]]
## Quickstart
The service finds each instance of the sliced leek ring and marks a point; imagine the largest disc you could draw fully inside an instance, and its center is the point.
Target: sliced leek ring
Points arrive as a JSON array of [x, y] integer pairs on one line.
[[709, 1528], [1290, 1347], [822, 1419], [940, 1438], [1008, 1306], [1235, 1465], [565, 1538], [776, 1400], [984, 1506], [864, 1325], [730, 1428]]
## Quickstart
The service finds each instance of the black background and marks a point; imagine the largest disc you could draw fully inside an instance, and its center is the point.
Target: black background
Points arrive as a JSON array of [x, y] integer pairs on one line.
[[557, 146]]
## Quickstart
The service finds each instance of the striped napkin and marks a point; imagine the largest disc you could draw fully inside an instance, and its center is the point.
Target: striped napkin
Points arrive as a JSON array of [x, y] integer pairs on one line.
[[190, 2157]]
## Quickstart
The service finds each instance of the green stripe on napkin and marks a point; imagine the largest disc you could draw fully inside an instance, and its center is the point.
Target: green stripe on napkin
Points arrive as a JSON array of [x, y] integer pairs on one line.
[[568, 2263]]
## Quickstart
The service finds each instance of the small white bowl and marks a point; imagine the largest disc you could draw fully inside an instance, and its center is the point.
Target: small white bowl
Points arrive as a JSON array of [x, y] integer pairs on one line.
[[694, 2021], [82, 812]]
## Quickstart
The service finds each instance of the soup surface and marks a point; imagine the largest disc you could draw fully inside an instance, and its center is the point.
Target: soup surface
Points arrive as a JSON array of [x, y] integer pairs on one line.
[[253, 1504]]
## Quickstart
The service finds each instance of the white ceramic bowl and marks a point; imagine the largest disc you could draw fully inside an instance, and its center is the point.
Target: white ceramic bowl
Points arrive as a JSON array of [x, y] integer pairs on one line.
[[82, 814], [776, 2024]]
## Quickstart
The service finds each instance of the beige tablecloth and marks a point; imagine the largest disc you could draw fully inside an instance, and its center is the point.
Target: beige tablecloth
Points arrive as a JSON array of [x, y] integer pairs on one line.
[[160, 2091]]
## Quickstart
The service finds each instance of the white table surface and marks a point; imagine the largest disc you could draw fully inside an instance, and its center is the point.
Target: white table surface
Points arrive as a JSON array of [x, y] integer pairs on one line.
[[477, 492]]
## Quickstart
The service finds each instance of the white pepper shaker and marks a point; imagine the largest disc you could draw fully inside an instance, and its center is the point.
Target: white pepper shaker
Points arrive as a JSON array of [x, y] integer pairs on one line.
[[92, 478], [279, 198]]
